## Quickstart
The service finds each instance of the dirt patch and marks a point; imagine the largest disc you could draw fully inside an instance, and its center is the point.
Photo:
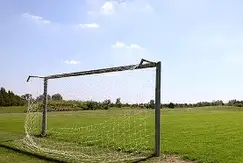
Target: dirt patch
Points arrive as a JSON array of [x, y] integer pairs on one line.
[[175, 159], [168, 159]]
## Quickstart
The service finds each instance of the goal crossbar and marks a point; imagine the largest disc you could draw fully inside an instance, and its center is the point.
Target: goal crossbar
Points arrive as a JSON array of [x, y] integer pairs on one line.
[[101, 71]]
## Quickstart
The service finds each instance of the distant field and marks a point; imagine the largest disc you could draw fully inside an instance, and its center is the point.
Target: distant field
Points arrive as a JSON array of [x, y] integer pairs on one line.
[[209, 134], [13, 109]]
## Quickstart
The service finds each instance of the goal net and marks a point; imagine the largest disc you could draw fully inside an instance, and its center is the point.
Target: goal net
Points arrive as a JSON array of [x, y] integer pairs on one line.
[[106, 117]]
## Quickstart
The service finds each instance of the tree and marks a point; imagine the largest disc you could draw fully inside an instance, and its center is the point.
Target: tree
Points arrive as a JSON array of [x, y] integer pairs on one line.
[[218, 102], [107, 102], [1, 99], [118, 102], [171, 105], [56, 96], [8, 98], [26, 96], [232, 102], [3, 90], [151, 104], [41, 98]]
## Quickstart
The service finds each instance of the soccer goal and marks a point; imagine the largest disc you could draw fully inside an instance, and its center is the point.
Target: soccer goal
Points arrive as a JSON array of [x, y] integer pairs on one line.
[[96, 115]]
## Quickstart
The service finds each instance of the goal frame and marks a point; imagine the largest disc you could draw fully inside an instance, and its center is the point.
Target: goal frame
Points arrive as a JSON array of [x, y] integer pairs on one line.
[[144, 64]]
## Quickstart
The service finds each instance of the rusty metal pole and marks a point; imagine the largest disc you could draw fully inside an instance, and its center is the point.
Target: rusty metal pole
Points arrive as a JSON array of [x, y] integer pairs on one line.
[[157, 108], [44, 110]]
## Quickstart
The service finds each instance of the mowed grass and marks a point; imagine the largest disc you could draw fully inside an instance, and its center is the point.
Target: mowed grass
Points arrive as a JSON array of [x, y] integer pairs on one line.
[[209, 134], [12, 128], [13, 109]]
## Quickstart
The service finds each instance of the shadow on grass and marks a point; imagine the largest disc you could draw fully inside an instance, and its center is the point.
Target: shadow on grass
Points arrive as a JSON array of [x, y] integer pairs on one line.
[[144, 159], [45, 158], [30, 154]]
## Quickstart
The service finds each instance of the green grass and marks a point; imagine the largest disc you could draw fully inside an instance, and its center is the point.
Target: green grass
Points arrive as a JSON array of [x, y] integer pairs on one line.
[[10, 156], [13, 109], [210, 134], [11, 128]]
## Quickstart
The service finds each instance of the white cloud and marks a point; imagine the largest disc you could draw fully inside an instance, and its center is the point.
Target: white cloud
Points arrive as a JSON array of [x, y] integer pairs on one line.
[[122, 53], [92, 25], [120, 44], [71, 62], [135, 46], [41, 20], [36, 18], [119, 7], [108, 8]]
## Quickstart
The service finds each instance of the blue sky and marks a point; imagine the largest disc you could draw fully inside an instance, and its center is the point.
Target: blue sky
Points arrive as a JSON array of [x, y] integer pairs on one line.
[[198, 41]]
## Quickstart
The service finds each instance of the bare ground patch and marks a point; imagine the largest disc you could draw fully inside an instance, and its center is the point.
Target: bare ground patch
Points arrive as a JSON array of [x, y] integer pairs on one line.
[[168, 159]]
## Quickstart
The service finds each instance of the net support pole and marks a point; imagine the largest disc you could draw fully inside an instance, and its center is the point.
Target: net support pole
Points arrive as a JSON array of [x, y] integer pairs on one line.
[[157, 109], [44, 109]]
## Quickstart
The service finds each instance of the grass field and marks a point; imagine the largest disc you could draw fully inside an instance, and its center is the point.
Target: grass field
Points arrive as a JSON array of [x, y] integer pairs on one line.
[[210, 134]]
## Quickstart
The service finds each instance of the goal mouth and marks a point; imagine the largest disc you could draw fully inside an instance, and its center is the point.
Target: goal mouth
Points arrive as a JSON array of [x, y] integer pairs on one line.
[[124, 137], [94, 130]]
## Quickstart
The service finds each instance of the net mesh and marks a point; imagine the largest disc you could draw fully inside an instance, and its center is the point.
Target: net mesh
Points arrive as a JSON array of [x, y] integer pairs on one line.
[[90, 124]]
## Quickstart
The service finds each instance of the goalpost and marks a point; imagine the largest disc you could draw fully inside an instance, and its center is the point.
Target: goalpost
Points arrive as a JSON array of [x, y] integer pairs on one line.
[[144, 64]]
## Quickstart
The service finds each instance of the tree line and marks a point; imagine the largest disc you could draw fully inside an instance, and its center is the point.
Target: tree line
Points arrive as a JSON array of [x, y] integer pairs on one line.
[[234, 102], [8, 98], [56, 96], [171, 105]]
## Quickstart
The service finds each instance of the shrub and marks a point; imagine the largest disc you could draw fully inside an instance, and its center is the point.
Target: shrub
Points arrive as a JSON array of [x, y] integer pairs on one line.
[[171, 105]]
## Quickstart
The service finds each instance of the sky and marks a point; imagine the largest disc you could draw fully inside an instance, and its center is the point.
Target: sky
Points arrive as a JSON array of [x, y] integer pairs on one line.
[[199, 43]]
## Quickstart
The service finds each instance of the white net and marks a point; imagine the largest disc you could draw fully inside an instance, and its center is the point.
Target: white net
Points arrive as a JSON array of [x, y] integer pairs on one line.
[[100, 118]]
